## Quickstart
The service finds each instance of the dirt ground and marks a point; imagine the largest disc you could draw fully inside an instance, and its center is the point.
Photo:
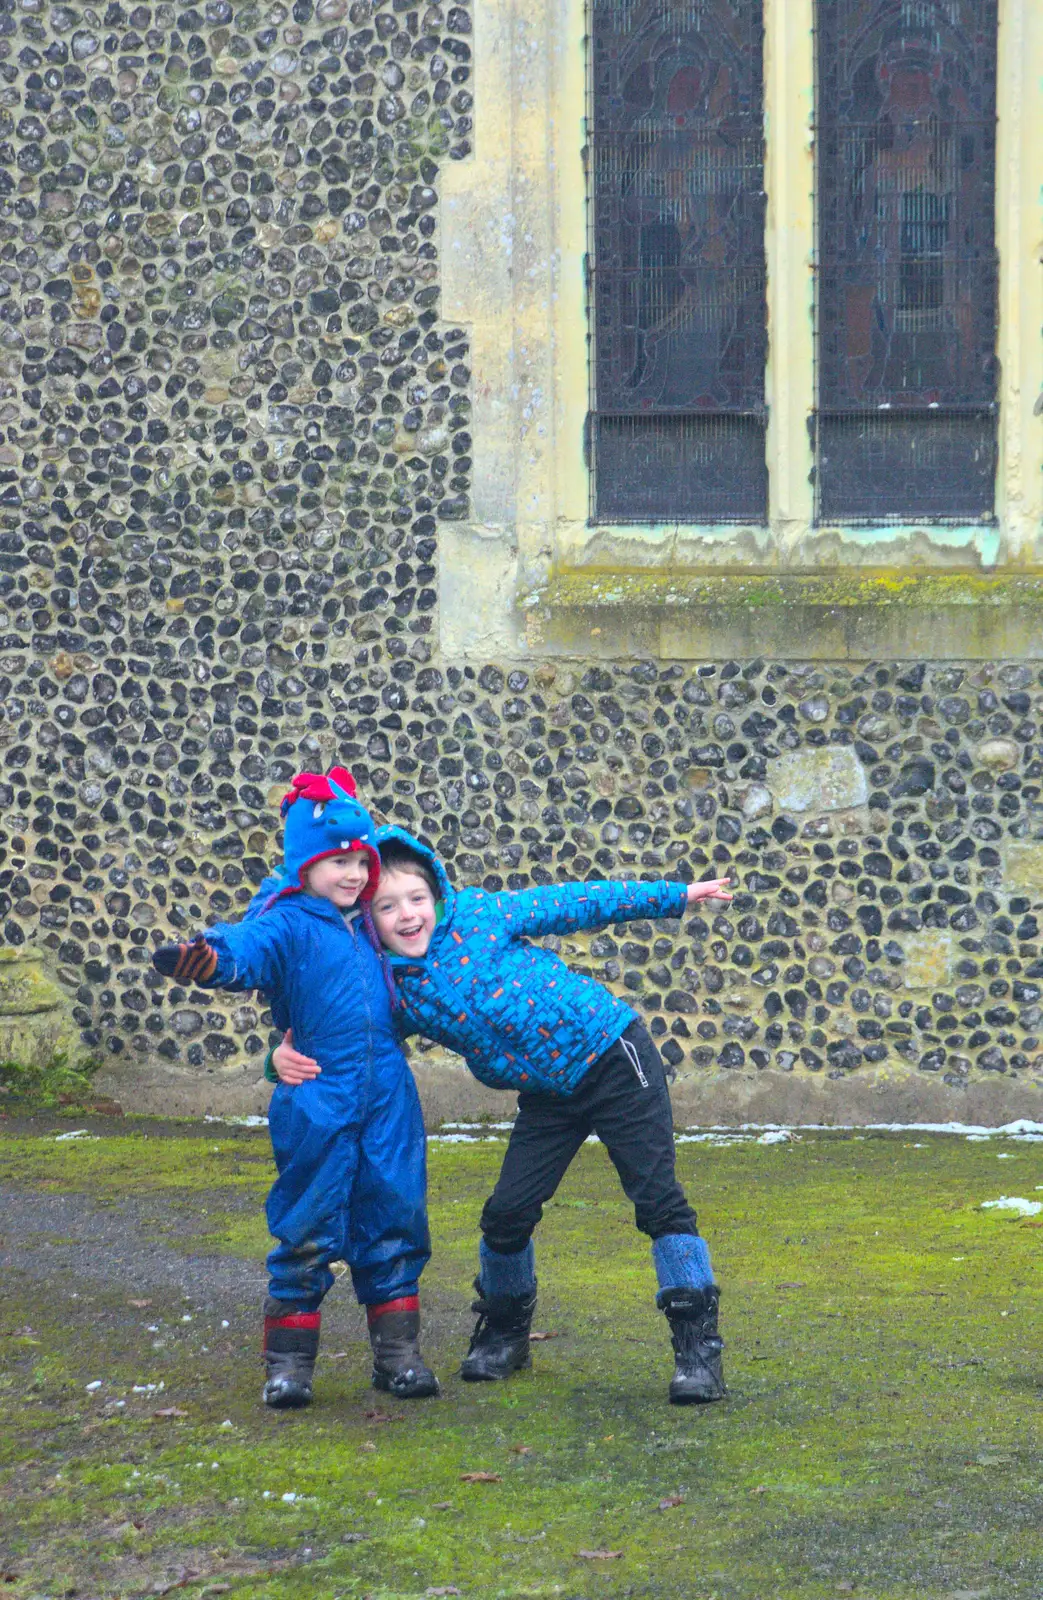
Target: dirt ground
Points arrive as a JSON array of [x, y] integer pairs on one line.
[[881, 1438]]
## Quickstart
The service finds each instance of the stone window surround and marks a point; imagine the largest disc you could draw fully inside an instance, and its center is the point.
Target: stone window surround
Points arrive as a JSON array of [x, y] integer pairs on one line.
[[528, 575]]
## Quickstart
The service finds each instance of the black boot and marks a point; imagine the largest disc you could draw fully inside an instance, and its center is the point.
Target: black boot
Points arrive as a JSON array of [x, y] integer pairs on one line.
[[291, 1344], [692, 1315], [398, 1366], [500, 1342]]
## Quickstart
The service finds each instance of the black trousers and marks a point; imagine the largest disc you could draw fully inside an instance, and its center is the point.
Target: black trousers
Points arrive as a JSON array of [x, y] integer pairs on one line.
[[624, 1099]]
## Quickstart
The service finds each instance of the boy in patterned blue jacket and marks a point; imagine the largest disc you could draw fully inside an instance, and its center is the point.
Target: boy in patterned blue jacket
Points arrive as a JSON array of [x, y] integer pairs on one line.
[[466, 976], [349, 1146]]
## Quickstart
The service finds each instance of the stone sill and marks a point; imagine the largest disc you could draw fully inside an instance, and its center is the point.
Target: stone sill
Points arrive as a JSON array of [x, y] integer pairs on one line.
[[798, 616]]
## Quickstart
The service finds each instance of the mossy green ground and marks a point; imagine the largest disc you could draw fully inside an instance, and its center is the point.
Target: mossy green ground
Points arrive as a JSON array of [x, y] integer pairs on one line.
[[882, 1437]]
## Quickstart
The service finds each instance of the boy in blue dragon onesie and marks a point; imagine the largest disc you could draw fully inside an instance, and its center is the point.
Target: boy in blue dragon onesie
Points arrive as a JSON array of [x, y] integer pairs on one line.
[[466, 976], [349, 1146]]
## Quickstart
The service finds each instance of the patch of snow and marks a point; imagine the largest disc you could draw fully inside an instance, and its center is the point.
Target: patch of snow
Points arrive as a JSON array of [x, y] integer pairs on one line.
[[92, 1386], [717, 1141], [478, 1127], [1011, 1202], [1023, 1129], [77, 1133], [462, 1138]]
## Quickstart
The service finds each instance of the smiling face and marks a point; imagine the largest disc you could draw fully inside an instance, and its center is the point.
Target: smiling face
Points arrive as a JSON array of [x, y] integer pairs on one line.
[[339, 879], [404, 912]]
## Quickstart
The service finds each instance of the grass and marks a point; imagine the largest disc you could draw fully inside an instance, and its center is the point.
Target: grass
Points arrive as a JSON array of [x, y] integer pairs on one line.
[[882, 1438]]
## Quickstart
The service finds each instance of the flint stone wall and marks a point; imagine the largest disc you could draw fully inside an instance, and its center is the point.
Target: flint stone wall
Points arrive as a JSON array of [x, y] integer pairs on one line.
[[232, 425]]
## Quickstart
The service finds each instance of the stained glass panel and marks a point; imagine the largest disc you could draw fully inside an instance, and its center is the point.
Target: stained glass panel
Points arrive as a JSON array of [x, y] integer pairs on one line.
[[907, 260], [677, 278]]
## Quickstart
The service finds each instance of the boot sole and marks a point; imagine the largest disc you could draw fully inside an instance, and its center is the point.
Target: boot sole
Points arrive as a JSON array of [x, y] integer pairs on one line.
[[696, 1399], [495, 1377], [422, 1391], [286, 1402]]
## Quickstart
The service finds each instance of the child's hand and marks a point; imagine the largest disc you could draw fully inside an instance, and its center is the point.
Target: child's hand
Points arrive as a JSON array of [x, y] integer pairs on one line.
[[711, 889], [187, 963], [292, 1067]]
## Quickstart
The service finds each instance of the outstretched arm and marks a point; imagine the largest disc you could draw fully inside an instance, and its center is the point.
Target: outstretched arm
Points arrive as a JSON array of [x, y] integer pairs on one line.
[[240, 955], [194, 962], [569, 907], [711, 889]]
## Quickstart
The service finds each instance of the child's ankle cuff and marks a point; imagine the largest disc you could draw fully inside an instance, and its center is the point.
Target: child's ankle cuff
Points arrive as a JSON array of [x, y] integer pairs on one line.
[[406, 1302]]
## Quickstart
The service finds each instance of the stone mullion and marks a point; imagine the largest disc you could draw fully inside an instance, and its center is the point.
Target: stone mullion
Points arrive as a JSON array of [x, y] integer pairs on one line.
[[1019, 483], [789, 89]]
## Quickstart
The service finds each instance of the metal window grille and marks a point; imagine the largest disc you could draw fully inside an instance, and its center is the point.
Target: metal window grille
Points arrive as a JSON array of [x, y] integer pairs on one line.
[[676, 274], [906, 424]]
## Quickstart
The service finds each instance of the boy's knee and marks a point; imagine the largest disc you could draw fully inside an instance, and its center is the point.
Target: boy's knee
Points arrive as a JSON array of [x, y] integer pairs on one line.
[[507, 1232], [672, 1214]]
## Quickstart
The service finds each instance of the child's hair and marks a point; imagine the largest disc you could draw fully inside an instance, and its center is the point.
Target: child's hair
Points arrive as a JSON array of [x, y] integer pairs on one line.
[[396, 856]]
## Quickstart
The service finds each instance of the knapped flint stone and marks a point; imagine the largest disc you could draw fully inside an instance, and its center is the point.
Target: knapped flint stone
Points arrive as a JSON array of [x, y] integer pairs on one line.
[[755, 801], [915, 778], [998, 755], [187, 1023], [845, 1055]]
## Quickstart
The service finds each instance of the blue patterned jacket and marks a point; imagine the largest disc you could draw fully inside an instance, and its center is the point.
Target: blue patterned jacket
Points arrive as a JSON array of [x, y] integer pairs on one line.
[[521, 1018]]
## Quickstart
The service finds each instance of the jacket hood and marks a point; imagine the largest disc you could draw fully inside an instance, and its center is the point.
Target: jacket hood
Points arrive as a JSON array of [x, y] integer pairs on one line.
[[446, 892]]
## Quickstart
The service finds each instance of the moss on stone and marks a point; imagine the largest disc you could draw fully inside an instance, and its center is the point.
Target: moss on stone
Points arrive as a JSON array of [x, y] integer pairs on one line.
[[860, 587], [48, 1079]]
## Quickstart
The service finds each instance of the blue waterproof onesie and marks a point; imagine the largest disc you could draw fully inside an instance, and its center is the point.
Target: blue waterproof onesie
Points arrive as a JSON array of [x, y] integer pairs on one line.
[[349, 1145]]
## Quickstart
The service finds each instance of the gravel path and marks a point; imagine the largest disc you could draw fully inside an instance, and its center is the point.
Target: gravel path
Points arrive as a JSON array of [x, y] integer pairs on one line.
[[60, 1237]]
